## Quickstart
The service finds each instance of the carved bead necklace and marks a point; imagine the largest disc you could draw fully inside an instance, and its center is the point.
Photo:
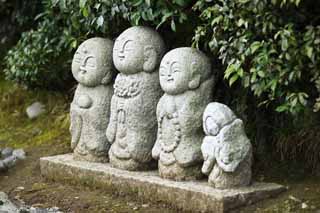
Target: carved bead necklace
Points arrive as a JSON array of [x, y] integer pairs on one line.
[[177, 132]]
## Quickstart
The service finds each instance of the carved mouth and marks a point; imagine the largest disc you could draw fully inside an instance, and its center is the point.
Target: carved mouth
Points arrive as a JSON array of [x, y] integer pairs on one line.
[[83, 71], [121, 57]]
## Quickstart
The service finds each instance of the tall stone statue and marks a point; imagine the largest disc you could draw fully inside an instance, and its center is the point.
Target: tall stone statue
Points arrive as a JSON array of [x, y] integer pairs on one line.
[[133, 125], [93, 68], [187, 80], [226, 149]]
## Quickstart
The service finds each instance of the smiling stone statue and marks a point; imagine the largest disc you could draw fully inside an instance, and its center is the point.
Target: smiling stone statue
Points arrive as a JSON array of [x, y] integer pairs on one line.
[[93, 68], [226, 150], [187, 80], [132, 129]]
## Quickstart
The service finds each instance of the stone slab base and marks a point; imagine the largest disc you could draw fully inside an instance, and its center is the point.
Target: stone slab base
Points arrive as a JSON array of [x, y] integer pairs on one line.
[[195, 196]]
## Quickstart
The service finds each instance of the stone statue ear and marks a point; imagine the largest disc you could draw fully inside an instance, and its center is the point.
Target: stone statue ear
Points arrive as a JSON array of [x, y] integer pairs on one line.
[[195, 76], [150, 58], [106, 79]]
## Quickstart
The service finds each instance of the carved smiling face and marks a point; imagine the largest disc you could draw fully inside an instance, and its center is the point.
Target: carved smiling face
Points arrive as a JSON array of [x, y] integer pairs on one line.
[[174, 74], [92, 62], [128, 54], [138, 49], [183, 69]]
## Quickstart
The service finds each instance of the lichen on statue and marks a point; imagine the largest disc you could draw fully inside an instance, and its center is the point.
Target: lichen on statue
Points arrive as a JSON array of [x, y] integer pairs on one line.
[[186, 78], [93, 68], [226, 149], [132, 129]]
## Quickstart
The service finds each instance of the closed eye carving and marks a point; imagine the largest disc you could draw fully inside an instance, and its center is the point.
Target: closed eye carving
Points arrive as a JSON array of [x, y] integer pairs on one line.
[[77, 57]]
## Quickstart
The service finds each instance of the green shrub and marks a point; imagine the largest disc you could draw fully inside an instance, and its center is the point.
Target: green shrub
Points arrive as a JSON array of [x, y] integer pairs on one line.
[[271, 49]]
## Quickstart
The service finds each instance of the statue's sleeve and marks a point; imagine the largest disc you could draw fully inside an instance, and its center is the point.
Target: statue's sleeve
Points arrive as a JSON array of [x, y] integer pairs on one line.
[[157, 146], [75, 127], [207, 149], [112, 126]]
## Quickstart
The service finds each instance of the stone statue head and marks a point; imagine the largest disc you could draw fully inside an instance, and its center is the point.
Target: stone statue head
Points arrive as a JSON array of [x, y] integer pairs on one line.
[[183, 69], [215, 117], [229, 156], [138, 49], [92, 63]]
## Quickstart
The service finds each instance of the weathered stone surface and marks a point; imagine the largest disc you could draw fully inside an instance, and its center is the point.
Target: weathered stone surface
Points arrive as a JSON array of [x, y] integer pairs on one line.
[[132, 129], [7, 205], [187, 80], [10, 161], [6, 152], [226, 149], [19, 153], [195, 196], [93, 68], [35, 109]]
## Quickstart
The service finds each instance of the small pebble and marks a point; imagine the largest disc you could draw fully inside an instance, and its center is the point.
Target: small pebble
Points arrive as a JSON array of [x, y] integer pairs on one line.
[[19, 188], [304, 206], [19, 153], [6, 152], [10, 161]]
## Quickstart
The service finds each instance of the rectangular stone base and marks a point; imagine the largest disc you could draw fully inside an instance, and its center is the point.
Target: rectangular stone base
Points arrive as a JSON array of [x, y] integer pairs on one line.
[[195, 196]]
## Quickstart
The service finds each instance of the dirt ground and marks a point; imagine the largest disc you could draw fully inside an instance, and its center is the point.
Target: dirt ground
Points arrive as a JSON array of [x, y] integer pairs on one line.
[[48, 135]]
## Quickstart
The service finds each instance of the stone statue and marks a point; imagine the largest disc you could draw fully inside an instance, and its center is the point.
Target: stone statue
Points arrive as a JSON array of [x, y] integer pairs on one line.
[[93, 68], [226, 149], [187, 80], [133, 125]]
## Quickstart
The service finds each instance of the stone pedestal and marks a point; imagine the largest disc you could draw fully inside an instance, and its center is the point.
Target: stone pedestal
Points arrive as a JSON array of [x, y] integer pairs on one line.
[[195, 196]]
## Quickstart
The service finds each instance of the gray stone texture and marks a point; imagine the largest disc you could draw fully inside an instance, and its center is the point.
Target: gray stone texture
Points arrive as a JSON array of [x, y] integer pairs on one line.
[[187, 80], [35, 109], [132, 129], [226, 149], [7, 205], [6, 152], [194, 196], [19, 153], [93, 68]]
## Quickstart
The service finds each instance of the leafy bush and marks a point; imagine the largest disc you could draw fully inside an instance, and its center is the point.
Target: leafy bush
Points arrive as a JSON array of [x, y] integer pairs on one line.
[[269, 48], [42, 57]]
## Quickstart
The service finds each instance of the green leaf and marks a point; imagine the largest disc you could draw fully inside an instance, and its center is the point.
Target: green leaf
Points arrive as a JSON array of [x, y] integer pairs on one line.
[[85, 12], [173, 25], [309, 51], [282, 108], [284, 44], [82, 3], [233, 79], [254, 46]]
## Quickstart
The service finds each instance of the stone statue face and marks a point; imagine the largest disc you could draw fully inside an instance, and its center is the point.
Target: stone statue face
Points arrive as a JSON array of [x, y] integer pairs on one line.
[[128, 54], [229, 157], [174, 74], [138, 49], [183, 69], [92, 62]]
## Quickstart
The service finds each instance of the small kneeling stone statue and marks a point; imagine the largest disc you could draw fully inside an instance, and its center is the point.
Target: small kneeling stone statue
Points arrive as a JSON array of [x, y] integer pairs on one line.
[[93, 68], [133, 124], [226, 149], [187, 80]]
